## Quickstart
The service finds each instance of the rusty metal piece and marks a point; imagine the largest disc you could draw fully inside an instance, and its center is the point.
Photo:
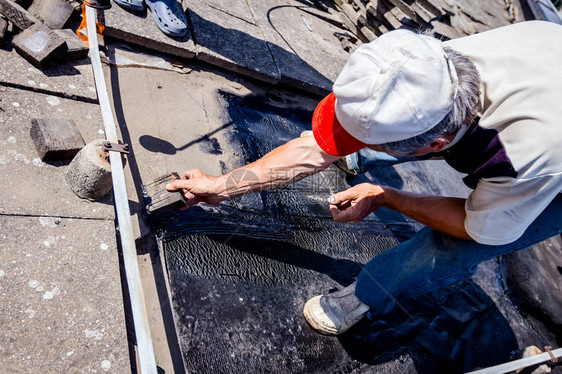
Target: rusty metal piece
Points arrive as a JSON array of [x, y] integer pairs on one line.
[[113, 147], [553, 358]]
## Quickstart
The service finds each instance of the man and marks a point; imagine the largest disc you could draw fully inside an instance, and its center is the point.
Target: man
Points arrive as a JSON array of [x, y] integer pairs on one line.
[[488, 104]]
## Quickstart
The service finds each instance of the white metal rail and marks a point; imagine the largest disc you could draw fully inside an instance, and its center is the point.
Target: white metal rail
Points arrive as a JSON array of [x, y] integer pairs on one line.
[[146, 356], [508, 367]]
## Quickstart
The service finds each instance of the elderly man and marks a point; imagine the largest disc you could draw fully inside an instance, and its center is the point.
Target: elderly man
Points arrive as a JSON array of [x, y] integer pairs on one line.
[[488, 104]]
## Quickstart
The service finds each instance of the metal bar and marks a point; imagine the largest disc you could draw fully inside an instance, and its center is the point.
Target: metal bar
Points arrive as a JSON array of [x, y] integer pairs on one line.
[[146, 355], [545, 10], [519, 364]]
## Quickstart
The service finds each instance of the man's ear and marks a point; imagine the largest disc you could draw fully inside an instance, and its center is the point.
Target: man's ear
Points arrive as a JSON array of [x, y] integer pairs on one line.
[[438, 144]]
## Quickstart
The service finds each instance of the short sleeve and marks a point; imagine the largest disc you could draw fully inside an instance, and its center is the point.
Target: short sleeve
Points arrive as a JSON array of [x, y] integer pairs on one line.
[[500, 209]]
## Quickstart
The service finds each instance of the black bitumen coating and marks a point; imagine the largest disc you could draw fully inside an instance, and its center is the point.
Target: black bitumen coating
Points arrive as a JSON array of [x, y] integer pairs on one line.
[[240, 273]]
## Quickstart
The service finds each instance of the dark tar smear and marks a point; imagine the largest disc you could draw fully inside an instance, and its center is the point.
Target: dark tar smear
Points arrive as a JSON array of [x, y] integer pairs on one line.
[[240, 273]]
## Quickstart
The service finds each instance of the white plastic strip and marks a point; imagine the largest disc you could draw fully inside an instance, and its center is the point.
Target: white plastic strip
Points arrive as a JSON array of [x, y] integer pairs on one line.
[[508, 367], [146, 356]]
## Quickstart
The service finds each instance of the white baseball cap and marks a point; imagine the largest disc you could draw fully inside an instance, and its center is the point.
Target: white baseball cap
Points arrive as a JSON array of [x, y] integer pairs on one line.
[[394, 88]]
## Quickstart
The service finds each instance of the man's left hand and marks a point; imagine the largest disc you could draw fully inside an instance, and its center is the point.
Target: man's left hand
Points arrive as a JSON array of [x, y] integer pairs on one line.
[[356, 203]]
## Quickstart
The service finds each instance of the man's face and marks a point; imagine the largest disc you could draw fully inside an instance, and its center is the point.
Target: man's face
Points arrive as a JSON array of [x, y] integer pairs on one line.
[[436, 145]]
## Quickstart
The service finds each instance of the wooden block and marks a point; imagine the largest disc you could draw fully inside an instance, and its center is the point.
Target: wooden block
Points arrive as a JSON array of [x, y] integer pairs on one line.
[[54, 13], [20, 17], [157, 199], [56, 139], [76, 49], [39, 45]]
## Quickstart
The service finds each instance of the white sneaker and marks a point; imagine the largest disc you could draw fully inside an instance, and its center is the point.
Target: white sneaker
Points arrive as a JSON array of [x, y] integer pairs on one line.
[[335, 313]]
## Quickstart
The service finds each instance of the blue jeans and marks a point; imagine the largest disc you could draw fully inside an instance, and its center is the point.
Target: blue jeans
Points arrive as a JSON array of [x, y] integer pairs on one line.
[[366, 159], [431, 260]]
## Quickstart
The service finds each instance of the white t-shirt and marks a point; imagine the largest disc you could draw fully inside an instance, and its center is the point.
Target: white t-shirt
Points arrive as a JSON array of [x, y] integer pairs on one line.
[[520, 69]]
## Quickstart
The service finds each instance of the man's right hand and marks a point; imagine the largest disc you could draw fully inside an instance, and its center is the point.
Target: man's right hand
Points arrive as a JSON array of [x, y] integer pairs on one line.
[[197, 187]]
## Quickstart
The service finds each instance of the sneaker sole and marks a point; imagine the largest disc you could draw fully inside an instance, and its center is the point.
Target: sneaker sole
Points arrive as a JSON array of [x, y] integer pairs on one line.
[[312, 321]]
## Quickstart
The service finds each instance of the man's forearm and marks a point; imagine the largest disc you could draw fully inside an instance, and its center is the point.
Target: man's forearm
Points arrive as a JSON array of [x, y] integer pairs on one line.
[[284, 165], [445, 214]]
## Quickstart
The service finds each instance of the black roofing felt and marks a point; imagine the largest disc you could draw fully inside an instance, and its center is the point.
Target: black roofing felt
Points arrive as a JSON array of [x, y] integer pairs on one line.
[[241, 272]]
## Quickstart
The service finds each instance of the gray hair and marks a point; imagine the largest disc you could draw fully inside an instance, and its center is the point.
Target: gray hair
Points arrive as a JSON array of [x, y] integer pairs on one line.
[[463, 113]]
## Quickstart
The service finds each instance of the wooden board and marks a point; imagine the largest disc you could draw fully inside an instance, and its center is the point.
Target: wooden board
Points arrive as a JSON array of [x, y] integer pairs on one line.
[[399, 14], [383, 14], [445, 30], [407, 10], [20, 17], [54, 13], [157, 199], [39, 45], [56, 139], [76, 49]]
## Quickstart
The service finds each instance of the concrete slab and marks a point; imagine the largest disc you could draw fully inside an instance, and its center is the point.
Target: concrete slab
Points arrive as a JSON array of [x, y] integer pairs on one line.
[[61, 307], [139, 28], [29, 186], [231, 42], [71, 79], [235, 8], [308, 58]]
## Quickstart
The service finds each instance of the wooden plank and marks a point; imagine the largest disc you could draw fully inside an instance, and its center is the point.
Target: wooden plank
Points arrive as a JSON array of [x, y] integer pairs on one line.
[[399, 14], [446, 5], [442, 29], [409, 12], [76, 49], [357, 9], [435, 11], [479, 15], [417, 9], [157, 199], [39, 45], [20, 17], [383, 14], [351, 24], [56, 139], [54, 13]]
